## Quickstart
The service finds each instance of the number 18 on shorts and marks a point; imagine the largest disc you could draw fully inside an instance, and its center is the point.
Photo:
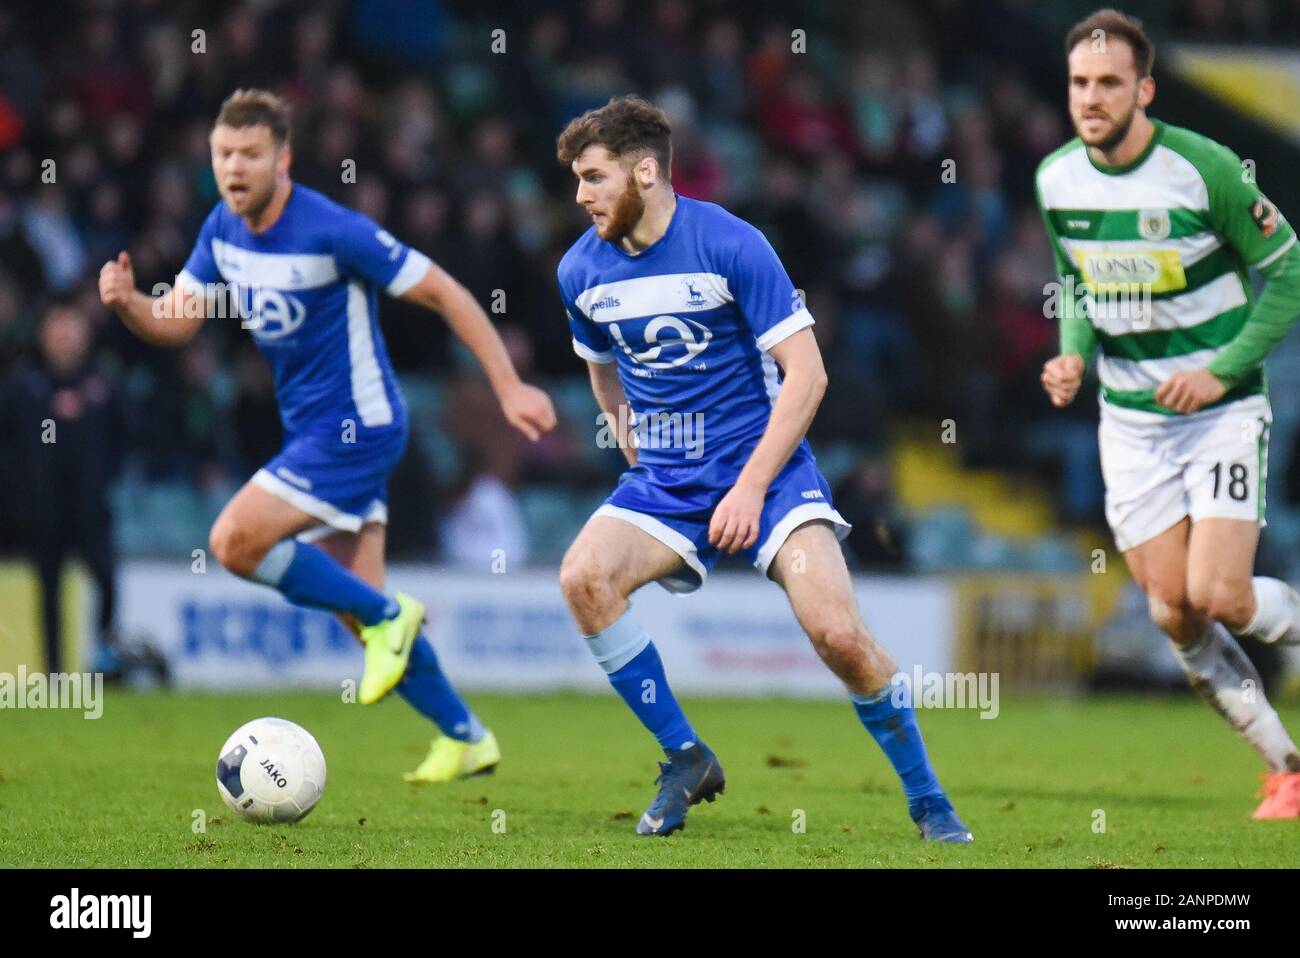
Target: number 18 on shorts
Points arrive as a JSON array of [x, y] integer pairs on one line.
[[1210, 465]]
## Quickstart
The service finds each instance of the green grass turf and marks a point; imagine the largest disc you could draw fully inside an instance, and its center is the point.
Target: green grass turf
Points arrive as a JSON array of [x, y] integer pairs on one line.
[[1174, 783]]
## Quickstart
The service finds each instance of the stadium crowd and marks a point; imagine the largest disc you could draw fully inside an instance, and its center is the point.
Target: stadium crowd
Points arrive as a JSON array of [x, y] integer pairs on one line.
[[893, 178]]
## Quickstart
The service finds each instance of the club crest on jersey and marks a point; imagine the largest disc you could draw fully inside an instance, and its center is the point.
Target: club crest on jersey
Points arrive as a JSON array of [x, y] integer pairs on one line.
[[694, 298], [1264, 214], [1153, 224]]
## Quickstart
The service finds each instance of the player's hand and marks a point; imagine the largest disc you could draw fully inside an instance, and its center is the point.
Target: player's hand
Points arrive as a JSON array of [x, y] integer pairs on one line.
[[1062, 377], [1187, 392], [117, 282], [734, 525], [528, 409]]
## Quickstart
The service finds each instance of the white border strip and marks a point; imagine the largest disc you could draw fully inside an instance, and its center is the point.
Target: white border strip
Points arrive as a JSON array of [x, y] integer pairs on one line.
[[1268, 260], [413, 269], [785, 329], [322, 510], [589, 354], [792, 520]]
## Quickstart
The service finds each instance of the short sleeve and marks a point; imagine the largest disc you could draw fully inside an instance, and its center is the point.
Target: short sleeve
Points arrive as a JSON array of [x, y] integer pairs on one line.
[[365, 249], [771, 305], [590, 341], [1243, 214], [200, 270]]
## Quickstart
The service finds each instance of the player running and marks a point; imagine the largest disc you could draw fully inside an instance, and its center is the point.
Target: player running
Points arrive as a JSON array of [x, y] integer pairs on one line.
[[1158, 226], [684, 311], [304, 272]]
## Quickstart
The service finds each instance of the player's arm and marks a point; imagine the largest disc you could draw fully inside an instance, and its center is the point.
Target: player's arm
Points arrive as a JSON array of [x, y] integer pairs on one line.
[[1272, 316], [1274, 313], [169, 320], [608, 390], [1252, 226], [1063, 374], [735, 521], [526, 407]]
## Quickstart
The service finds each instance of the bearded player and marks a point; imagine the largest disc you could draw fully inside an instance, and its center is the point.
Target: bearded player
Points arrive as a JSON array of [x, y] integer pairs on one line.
[[304, 273], [684, 313], [1157, 226]]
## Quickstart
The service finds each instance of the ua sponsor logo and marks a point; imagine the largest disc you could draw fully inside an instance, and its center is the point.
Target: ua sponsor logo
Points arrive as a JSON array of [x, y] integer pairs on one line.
[[273, 314], [685, 337]]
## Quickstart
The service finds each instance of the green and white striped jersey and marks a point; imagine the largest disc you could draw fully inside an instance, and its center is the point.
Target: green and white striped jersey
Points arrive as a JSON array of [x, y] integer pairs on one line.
[[1156, 253]]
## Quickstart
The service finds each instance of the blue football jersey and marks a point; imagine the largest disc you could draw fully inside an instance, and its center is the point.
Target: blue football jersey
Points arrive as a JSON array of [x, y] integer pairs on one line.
[[307, 290], [689, 321]]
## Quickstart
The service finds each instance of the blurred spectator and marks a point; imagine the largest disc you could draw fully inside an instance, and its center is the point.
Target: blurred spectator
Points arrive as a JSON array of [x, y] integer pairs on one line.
[[878, 540], [62, 422], [484, 525], [927, 291]]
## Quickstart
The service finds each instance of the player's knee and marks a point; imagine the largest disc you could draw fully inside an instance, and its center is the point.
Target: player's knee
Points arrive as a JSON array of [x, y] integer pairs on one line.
[[232, 549], [1223, 601], [584, 584], [843, 643], [1170, 608]]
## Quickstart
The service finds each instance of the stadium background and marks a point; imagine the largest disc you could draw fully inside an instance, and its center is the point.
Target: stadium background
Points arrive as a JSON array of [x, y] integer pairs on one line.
[[978, 534]]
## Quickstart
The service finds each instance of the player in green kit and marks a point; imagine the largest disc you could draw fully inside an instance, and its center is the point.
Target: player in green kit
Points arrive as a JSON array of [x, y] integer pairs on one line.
[[1153, 228]]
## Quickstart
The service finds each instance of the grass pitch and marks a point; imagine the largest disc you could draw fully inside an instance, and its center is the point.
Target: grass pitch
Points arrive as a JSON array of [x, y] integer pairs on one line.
[[1171, 783]]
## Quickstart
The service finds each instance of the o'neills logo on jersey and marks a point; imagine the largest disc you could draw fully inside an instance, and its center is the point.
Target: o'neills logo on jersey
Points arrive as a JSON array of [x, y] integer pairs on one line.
[[1156, 271], [609, 302]]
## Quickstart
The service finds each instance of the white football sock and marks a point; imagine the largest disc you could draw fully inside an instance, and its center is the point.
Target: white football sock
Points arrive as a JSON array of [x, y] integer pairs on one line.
[[1222, 675], [1277, 608]]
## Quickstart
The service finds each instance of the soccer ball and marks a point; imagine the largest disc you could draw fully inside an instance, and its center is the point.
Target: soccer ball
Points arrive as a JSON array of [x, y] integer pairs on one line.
[[271, 770]]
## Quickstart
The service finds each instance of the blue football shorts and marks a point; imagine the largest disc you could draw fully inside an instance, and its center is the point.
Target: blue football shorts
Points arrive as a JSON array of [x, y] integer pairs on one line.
[[675, 504], [343, 484]]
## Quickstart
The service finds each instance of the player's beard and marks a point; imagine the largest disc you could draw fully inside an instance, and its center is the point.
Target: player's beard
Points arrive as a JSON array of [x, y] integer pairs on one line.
[[258, 200], [1117, 133], [626, 214]]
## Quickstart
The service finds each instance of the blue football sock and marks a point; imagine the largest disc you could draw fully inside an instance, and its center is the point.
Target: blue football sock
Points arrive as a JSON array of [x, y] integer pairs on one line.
[[635, 670], [426, 689], [308, 576], [895, 730]]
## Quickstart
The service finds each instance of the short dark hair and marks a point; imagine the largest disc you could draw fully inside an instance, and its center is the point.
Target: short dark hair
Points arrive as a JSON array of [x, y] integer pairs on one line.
[[1112, 22], [257, 108], [625, 126]]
